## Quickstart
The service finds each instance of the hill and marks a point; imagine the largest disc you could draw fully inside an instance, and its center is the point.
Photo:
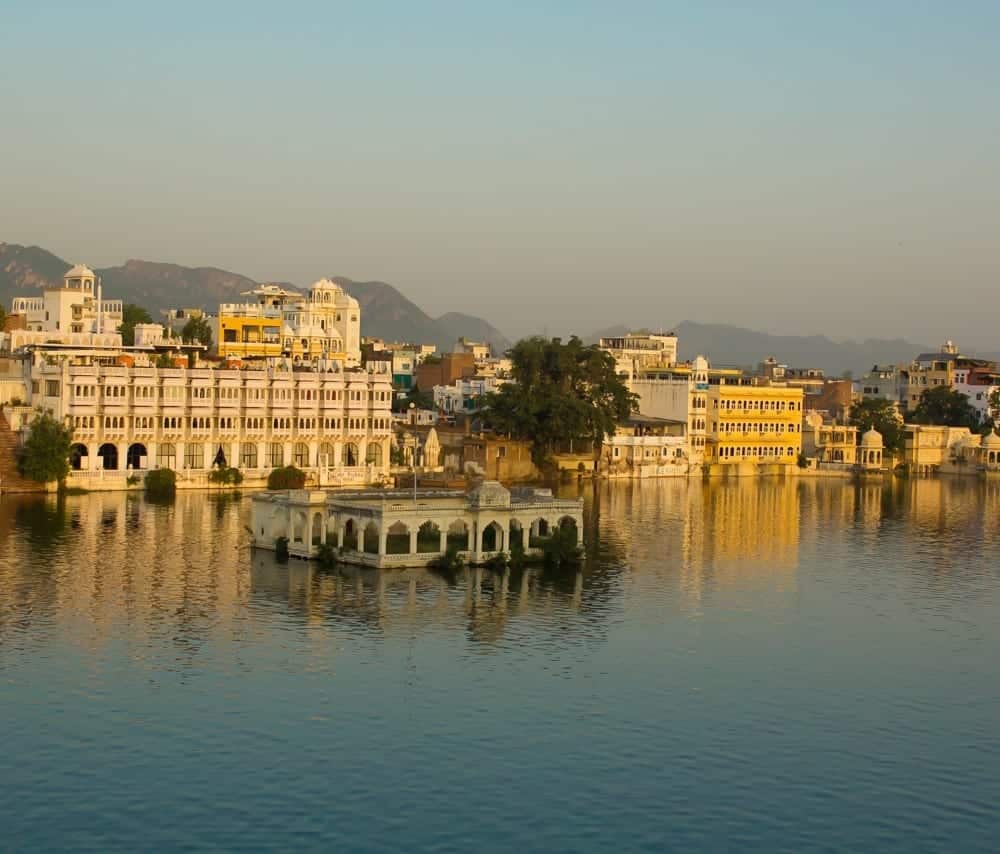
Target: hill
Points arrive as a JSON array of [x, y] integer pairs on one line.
[[386, 313], [734, 345]]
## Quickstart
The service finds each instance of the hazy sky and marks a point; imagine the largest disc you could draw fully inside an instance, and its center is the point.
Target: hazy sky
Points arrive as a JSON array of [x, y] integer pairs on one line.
[[796, 167]]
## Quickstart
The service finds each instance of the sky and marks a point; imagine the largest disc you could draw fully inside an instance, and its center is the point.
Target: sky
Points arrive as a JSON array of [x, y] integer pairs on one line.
[[793, 167]]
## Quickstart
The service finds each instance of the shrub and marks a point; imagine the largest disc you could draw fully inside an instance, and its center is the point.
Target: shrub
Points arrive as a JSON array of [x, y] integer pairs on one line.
[[802, 461], [132, 479], [451, 561], [226, 477], [561, 549], [497, 563], [326, 554], [281, 549], [161, 483], [45, 454], [288, 477]]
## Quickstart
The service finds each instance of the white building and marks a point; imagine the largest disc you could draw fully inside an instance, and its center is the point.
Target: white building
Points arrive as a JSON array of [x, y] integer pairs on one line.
[[461, 396], [333, 423], [325, 323], [638, 350], [75, 313], [677, 394]]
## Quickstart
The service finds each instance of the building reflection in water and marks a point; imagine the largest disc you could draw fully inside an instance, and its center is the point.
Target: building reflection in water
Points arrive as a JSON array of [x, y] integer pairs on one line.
[[108, 568]]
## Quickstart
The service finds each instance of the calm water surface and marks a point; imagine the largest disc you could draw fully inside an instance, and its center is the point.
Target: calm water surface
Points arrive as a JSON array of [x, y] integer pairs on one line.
[[768, 665]]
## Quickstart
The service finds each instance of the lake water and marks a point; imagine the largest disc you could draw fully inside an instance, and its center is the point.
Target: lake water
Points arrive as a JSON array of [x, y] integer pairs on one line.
[[764, 664]]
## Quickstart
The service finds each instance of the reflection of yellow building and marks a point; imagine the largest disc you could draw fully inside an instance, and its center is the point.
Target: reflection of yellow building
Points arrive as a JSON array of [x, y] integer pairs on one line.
[[325, 323], [754, 424]]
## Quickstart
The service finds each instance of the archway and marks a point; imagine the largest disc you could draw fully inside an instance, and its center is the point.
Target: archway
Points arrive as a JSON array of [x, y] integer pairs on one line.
[[493, 537], [350, 455], [298, 527], [77, 453], [301, 455], [351, 535], [109, 456], [371, 538], [429, 538], [397, 540], [136, 454], [458, 535], [326, 456], [539, 531], [567, 528], [317, 529], [219, 461], [373, 456]]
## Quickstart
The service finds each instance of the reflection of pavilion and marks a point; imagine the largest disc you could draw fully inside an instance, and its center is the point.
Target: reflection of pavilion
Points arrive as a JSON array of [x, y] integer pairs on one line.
[[398, 528], [415, 600]]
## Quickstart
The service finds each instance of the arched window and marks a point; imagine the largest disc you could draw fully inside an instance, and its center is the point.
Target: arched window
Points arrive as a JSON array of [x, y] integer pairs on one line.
[[248, 455], [429, 538], [326, 455], [397, 541], [350, 454], [166, 456], [373, 456], [77, 454], [136, 454], [194, 455], [276, 454], [301, 455]]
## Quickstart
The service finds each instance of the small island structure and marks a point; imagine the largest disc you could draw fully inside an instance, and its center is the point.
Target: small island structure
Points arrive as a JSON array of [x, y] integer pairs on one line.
[[402, 528]]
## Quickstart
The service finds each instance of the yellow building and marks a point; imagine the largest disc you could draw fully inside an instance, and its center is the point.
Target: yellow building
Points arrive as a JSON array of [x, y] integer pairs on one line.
[[759, 424], [323, 324], [828, 442]]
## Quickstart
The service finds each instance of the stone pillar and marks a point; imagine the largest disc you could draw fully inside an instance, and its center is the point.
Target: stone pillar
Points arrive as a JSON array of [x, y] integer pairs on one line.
[[444, 539], [122, 455], [382, 537], [413, 540], [263, 461]]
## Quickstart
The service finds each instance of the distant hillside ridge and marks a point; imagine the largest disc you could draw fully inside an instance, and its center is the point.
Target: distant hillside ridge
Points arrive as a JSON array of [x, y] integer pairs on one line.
[[733, 345], [386, 313]]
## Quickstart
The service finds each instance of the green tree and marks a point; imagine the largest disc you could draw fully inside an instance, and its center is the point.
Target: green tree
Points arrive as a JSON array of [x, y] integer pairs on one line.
[[197, 331], [131, 315], [560, 392], [876, 413], [945, 407], [44, 456], [419, 399]]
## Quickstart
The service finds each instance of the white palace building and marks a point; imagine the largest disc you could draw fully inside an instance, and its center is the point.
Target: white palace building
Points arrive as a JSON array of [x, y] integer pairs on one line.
[[161, 405]]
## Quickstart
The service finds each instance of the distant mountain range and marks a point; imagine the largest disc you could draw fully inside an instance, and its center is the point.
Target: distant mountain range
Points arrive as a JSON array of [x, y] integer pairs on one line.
[[385, 312], [733, 345]]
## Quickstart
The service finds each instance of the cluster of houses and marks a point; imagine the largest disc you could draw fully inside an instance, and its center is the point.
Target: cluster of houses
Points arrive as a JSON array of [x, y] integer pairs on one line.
[[290, 380]]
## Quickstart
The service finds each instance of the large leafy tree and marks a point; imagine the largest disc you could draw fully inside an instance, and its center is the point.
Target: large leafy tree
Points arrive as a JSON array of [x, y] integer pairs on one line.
[[945, 407], [876, 413], [197, 331], [131, 315], [560, 391], [44, 456]]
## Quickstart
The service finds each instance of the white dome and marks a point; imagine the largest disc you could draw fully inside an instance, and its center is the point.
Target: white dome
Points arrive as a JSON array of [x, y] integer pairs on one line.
[[871, 439], [80, 271]]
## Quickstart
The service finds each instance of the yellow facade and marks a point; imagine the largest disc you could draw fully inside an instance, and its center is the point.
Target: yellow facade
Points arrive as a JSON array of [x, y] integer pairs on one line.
[[754, 424], [324, 323]]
